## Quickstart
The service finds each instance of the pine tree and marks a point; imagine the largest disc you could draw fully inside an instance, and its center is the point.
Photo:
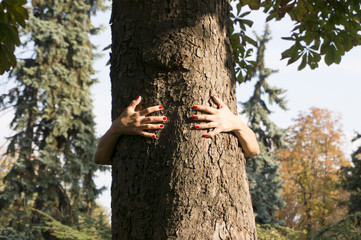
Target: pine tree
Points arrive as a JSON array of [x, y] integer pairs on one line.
[[54, 140], [352, 179], [264, 178]]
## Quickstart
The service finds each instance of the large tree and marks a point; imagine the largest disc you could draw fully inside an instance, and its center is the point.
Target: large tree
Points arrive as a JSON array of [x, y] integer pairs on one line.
[[177, 53], [180, 185]]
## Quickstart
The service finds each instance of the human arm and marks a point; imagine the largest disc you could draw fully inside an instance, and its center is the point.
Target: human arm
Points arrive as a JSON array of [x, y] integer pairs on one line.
[[130, 122], [223, 120]]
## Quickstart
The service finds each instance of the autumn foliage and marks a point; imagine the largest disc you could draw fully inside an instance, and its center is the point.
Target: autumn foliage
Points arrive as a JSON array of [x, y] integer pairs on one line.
[[311, 171]]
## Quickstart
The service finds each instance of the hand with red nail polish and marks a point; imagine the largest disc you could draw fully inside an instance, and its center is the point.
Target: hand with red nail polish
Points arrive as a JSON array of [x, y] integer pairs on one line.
[[223, 120], [130, 122]]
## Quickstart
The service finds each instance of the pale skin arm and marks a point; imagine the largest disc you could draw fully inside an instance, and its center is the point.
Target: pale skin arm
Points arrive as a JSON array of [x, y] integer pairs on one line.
[[130, 122], [223, 120]]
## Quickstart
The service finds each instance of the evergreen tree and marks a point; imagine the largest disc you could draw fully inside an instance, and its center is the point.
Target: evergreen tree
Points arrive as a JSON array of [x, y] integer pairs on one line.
[[264, 178], [54, 140], [352, 179]]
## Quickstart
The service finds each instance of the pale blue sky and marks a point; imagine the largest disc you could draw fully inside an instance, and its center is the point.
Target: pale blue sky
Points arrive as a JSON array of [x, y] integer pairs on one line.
[[337, 88]]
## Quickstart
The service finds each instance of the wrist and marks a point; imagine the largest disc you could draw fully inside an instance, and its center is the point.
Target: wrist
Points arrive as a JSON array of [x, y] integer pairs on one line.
[[115, 129], [238, 125]]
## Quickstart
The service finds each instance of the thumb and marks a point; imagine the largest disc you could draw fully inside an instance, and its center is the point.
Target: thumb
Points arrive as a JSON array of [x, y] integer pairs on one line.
[[135, 102]]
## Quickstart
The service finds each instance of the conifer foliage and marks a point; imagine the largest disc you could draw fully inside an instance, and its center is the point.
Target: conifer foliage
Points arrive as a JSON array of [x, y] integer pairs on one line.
[[262, 170], [54, 137]]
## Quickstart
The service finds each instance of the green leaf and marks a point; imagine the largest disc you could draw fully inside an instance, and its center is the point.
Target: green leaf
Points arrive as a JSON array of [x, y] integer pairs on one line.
[[330, 55], [11, 33], [303, 63], [246, 22], [244, 14], [4, 63], [22, 11], [12, 2], [13, 10], [292, 52], [250, 40], [11, 56], [294, 59]]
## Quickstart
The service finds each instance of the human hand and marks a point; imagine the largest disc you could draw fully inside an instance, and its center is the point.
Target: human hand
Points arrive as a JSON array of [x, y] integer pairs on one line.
[[132, 122], [222, 119]]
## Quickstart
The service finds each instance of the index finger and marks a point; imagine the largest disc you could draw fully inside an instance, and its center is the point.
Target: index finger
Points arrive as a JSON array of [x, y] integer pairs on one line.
[[205, 109], [150, 110]]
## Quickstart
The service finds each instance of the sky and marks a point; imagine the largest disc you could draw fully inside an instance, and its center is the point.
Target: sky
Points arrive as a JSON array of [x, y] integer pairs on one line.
[[336, 87]]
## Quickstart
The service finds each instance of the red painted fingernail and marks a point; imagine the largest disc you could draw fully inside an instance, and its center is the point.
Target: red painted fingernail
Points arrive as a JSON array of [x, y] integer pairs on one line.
[[160, 107], [214, 95], [194, 107], [196, 127], [193, 117], [161, 125], [153, 136], [165, 118], [138, 97], [205, 135]]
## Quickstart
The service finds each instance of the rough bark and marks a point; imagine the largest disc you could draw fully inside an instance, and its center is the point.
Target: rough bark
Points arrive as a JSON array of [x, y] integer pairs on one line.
[[176, 53]]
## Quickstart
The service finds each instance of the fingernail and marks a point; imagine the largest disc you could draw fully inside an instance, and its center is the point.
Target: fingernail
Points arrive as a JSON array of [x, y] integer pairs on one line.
[[214, 95], [205, 135], [193, 117], [194, 107], [160, 107], [138, 97], [161, 125], [196, 126], [165, 118], [153, 136]]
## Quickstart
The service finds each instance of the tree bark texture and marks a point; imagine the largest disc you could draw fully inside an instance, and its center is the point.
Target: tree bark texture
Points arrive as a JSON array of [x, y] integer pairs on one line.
[[176, 53]]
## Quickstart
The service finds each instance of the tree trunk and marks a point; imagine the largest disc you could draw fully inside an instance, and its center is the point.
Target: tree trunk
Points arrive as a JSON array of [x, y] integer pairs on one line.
[[176, 53]]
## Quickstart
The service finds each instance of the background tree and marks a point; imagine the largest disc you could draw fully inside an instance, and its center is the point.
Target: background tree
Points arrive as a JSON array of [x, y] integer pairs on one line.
[[54, 138], [347, 228], [352, 179], [262, 170], [311, 171], [12, 15]]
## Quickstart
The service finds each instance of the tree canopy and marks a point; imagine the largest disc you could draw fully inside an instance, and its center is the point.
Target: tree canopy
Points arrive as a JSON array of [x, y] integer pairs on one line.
[[325, 29]]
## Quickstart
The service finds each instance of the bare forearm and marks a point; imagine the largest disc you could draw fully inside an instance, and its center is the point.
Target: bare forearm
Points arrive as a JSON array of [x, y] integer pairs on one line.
[[106, 147], [248, 139]]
